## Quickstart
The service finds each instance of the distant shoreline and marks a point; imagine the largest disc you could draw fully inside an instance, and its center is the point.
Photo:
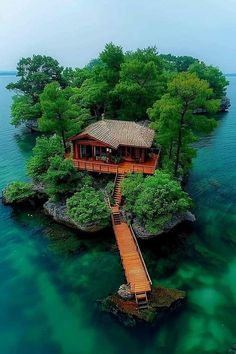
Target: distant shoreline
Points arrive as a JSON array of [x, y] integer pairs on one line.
[[8, 73]]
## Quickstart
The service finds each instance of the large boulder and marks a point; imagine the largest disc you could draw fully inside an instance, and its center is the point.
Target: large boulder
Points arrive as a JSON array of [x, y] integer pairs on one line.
[[176, 220], [57, 210], [124, 292]]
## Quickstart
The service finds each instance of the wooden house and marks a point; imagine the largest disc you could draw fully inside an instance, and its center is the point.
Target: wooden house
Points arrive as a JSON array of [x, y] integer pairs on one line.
[[115, 146]]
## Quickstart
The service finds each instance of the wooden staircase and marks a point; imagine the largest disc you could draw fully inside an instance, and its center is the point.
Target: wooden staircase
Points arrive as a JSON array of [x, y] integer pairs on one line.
[[141, 300], [117, 190]]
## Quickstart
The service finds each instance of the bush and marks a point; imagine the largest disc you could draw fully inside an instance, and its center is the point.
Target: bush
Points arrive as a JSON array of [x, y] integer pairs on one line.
[[62, 179], [17, 192], [87, 207], [154, 200]]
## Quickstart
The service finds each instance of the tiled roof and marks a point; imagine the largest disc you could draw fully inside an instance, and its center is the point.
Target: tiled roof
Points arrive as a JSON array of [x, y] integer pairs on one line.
[[117, 132]]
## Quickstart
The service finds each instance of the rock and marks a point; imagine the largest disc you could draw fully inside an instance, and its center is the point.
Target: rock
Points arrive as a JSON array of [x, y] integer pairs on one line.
[[225, 104], [142, 233], [32, 125], [57, 210], [124, 292], [162, 302]]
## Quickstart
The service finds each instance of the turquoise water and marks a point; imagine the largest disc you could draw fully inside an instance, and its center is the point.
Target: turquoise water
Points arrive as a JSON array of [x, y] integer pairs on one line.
[[51, 277]]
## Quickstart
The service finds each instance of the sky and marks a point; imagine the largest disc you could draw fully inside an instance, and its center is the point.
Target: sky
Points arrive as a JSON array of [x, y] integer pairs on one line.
[[75, 31]]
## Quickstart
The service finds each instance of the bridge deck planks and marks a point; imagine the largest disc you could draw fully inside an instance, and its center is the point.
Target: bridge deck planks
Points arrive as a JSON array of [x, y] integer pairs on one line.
[[133, 266]]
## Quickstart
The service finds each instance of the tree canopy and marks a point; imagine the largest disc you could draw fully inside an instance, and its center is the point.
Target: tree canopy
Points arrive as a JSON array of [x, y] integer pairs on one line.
[[175, 121], [35, 73], [60, 113]]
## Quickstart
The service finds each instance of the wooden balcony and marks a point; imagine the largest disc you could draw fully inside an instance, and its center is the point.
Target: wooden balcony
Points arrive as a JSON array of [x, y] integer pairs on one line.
[[147, 167]]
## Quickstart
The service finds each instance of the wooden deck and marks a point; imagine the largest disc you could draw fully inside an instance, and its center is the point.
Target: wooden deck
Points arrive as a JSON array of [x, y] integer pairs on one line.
[[148, 167]]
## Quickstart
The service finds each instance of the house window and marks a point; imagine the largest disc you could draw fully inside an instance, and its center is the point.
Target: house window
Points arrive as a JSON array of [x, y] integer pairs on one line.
[[83, 151]]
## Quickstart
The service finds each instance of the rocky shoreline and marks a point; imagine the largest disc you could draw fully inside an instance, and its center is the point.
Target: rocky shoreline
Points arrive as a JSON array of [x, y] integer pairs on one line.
[[176, 220], [162, 302], [57, 211]]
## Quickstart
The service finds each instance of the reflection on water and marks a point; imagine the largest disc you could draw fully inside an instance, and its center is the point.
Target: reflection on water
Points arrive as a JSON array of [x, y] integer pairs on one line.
[[51, 277]]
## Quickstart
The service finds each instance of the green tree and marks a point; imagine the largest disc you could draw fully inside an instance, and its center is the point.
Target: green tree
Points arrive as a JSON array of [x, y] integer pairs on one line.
[[58, 110], [35, 73], [62, 179], [175, 121], [159, 198], [141, 83], [111, 57], [44, 150], [23, 109], [213, 76], [88, 207]]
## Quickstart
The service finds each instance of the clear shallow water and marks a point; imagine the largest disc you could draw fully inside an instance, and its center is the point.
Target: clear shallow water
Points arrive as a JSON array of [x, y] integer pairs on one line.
[[50, 277]]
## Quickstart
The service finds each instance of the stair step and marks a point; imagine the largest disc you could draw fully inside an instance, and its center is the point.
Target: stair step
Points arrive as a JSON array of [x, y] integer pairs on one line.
[[140, 296], [140, 303], [143, 307]]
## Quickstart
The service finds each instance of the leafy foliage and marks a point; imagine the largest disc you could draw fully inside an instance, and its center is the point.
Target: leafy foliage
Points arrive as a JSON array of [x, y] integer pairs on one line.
[[140, 83], [35, 73], [215, 78], [177, 63], [59, 112], [44, 150], [88, 206], [62, 179], [154, 200], [23, 110], [175, 122], [17, 192]]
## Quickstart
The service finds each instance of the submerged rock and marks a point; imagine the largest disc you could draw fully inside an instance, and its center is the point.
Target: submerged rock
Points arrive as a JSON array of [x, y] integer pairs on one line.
[[162, 302], [143, 234], [57, 210]]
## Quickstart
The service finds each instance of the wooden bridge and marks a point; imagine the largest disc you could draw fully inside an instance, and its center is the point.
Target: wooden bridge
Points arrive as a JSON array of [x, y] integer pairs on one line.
[[133, 263]]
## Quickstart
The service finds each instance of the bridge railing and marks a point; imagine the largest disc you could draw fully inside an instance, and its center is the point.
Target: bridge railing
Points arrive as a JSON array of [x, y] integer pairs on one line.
[[140, 254]]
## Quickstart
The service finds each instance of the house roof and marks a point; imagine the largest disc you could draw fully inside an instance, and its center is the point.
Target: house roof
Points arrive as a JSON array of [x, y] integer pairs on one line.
[[118, 132]]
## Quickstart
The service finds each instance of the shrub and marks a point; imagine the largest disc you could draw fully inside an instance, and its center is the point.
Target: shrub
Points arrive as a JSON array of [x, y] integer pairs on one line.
[[88, 206], [154, 200], [17, 192], [62, 179]]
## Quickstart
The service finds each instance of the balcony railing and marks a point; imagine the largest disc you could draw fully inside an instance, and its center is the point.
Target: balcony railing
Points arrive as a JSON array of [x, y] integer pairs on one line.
[[123, 167]]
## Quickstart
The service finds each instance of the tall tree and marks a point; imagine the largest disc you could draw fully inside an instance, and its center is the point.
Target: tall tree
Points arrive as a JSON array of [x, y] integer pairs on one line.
[[175, 121], [34, 74], [58, 110], [141, 83]]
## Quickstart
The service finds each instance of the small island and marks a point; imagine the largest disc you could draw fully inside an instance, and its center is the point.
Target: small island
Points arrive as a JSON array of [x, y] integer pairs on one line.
[[115, 145]]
